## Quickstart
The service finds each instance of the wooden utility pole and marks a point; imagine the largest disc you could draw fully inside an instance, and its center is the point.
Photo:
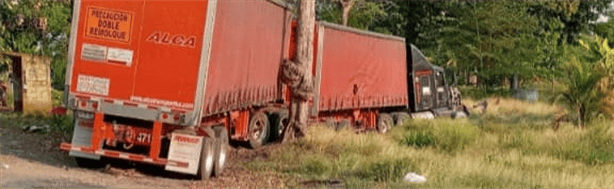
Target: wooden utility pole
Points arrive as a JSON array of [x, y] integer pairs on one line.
[[297, 74]]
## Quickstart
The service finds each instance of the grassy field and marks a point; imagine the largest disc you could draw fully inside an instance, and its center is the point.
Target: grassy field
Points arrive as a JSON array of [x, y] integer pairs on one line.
[[512, 145]]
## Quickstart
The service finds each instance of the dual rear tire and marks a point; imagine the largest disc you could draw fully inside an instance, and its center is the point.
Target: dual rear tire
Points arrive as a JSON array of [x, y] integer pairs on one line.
[[207, 156], [214, 153]]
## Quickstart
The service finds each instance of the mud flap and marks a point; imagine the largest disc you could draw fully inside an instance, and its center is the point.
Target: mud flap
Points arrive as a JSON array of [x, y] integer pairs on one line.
[[185, 148], [82, 136]]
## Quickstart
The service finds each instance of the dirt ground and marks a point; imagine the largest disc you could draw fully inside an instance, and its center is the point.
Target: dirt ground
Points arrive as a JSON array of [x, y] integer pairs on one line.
[[34, 160]]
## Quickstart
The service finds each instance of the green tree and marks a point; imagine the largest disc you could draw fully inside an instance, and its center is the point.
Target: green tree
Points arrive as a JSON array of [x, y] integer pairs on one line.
[[580, 97], [587, 76], [606, 30], [37, 27], [362, 15], [576, 17]]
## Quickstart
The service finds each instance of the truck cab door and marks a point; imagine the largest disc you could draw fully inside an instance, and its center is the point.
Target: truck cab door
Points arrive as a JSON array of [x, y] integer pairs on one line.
[[441, 93], [425, 92]]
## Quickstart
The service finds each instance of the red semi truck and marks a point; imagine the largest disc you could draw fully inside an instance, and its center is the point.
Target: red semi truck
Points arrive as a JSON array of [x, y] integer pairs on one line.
[[367, 81], [170, 82]]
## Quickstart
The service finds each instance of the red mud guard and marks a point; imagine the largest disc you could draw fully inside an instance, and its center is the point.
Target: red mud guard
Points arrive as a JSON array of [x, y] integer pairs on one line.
[[123, 155]]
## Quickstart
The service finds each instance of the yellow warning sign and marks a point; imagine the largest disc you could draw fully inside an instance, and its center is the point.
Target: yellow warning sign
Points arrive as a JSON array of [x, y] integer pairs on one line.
[[108, 24]]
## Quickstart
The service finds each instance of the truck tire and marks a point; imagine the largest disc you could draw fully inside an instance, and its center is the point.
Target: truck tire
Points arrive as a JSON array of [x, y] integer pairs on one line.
[[459, 114], [258, 129], [400, 118], [280, 120], [221, 149], [384, 122], [207, 157]]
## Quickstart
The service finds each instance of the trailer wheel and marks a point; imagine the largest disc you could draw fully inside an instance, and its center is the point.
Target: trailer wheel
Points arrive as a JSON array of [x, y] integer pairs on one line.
[[280, 120], [258, 129], [400, 118], [384, 122], [207, 157], [221, 149]]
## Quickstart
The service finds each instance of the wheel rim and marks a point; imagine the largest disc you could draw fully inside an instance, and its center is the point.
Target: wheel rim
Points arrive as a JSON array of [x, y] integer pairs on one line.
[[209, 161], [221, 147], [222, 158], [258, 127], [209, 155], [383, 127], [384, 124]]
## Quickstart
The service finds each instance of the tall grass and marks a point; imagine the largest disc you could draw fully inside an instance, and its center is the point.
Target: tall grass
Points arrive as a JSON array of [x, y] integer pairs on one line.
[[512, 145]]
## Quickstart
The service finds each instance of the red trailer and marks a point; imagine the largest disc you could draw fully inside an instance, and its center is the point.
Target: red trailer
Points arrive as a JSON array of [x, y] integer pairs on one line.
[[359, 77], [366, 80], [169, 83]]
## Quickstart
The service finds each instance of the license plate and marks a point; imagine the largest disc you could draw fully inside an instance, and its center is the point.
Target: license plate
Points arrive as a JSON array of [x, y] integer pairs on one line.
[[142, 136], [132, 135]]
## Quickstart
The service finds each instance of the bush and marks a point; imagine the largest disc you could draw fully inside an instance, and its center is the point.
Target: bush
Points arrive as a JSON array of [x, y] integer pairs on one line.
[[315, 165], [418, 139], [63, 123], [447, 134], [451, 137], [57, 97]]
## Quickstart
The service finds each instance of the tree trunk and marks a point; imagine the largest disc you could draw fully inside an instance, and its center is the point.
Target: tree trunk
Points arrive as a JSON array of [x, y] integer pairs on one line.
[[514, 82], [304, 61], [347, 7], [581, 116]]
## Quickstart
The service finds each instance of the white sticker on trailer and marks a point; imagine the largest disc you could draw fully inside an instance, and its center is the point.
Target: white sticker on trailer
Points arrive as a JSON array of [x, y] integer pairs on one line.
[[94, 52], [120, 55], [185, 148], [93, 85]]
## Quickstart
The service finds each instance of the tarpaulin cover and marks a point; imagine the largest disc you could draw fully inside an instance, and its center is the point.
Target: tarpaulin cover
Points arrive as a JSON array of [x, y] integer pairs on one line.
[[361, 71], [247, 50]]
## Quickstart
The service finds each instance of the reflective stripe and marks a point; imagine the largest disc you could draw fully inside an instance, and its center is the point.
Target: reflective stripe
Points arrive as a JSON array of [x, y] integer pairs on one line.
[[118, 102], [123, 155], [130, 104], [165, 109], [86, 97]]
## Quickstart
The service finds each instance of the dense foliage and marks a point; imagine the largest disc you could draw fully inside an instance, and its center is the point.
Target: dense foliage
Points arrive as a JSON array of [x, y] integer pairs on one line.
[[503, 42], [494, 40], [37, 27]]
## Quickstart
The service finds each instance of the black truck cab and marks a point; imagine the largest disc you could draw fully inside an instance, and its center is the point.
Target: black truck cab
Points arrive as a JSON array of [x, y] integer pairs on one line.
[[427, 87]]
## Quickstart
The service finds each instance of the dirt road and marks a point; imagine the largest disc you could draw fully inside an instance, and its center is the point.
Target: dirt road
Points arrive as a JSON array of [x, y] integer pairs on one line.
[[34, 160]]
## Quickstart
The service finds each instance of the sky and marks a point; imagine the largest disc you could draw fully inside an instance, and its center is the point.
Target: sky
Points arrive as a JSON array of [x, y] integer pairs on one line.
[[605, 18]]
